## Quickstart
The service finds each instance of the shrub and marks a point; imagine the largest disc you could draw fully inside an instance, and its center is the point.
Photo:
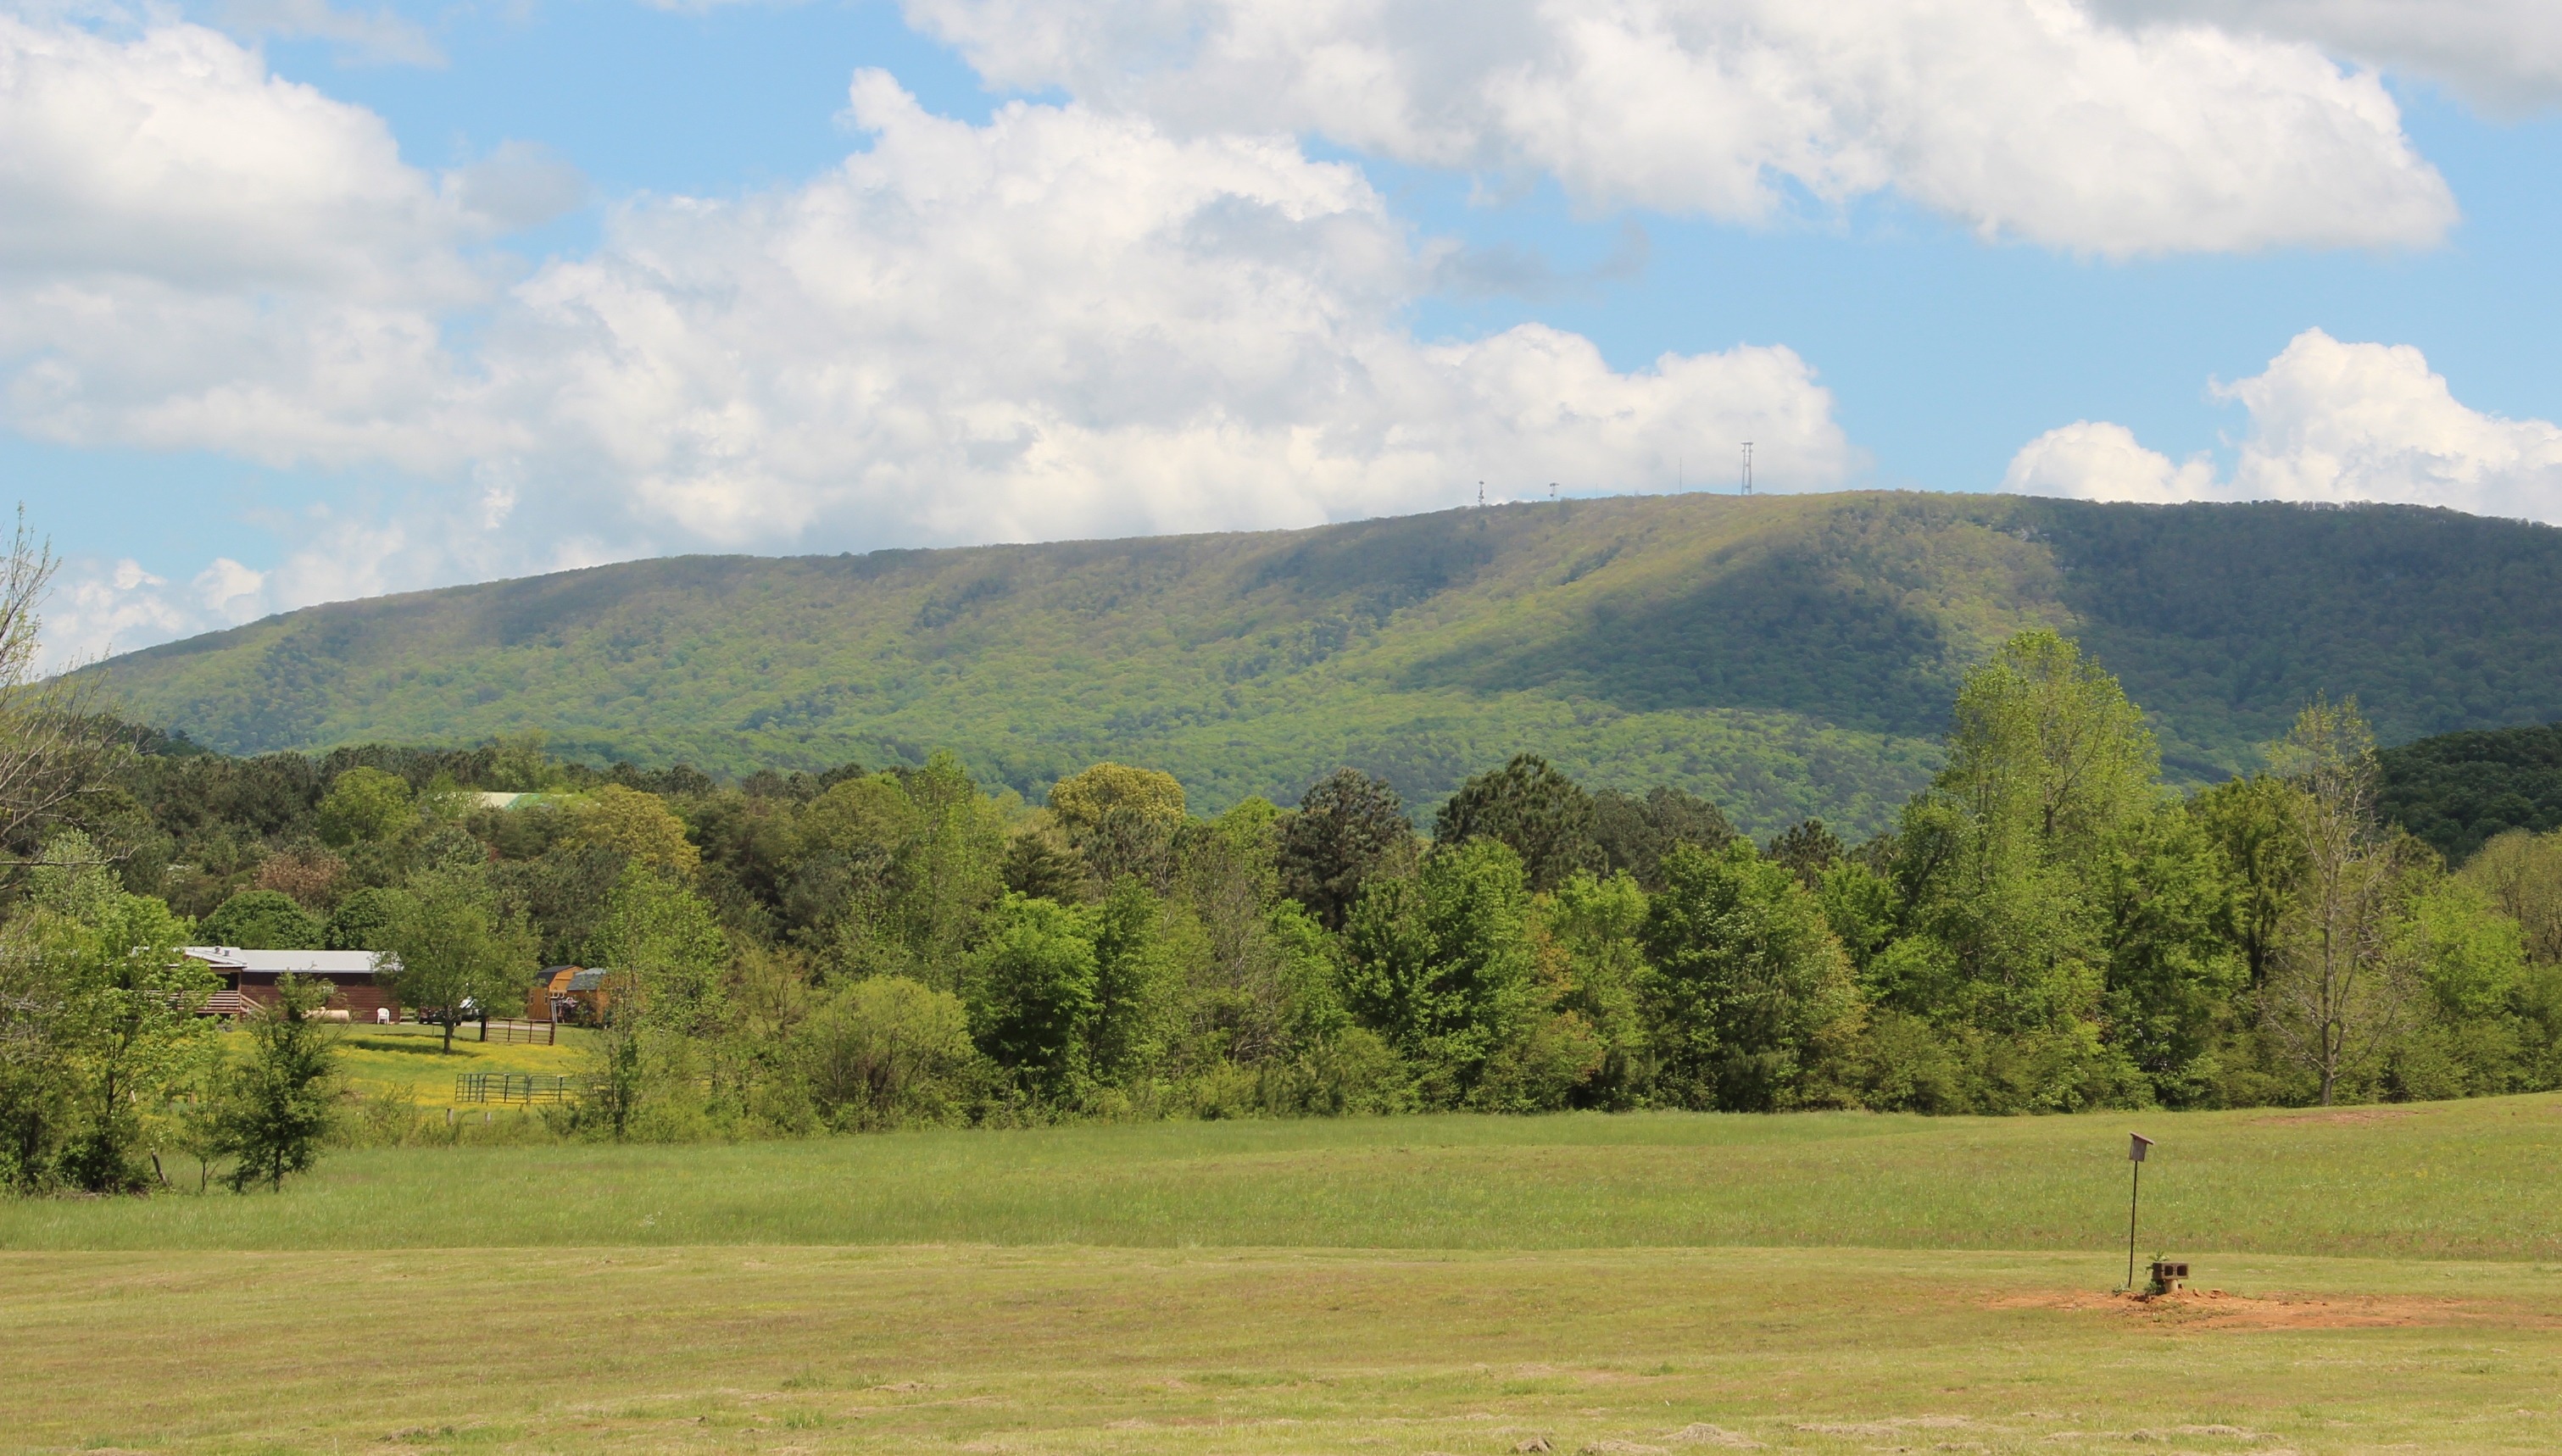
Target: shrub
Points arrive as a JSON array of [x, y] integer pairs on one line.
[[885, 1052]]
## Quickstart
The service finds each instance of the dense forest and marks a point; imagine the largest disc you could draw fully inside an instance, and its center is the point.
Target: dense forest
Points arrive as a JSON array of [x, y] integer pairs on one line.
[[2459, 790], [1788, 658], [2045, 926]]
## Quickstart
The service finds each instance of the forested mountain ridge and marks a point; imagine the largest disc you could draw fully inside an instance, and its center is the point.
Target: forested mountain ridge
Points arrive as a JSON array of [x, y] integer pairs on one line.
[[1785, 657]]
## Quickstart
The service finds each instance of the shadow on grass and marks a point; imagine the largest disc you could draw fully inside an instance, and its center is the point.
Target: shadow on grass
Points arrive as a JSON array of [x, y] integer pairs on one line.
[[420, 1045]]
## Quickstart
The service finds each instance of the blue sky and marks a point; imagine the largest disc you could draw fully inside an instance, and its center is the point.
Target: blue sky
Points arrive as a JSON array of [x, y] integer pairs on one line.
[[315, 303]]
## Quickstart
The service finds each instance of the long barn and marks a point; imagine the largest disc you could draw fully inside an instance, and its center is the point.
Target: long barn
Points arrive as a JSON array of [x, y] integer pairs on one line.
[[357, 978]]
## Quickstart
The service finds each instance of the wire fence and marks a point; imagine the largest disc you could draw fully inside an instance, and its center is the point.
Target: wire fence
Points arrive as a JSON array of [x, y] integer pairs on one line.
[[513, 1087]]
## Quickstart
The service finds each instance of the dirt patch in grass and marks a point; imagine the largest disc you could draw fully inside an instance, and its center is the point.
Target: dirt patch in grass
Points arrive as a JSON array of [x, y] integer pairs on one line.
[[1887, 1430], [2348, 1115], [2214, 1310]]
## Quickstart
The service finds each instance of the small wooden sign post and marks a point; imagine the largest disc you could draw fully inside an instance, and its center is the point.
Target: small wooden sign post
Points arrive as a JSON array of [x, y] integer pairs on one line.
[[2135, 1146]]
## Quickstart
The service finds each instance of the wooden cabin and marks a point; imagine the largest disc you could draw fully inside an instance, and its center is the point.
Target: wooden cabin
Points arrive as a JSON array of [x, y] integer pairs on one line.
[[359, 980]]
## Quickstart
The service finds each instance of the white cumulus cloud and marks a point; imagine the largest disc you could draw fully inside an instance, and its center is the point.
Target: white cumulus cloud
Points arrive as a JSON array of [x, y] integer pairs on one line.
[[368, 38], [2034, 120], [2090, 461], [196, 254], [1062, 322], [2331, 422], [173, 155], [2504, 55], [98, 606], [97, 603]]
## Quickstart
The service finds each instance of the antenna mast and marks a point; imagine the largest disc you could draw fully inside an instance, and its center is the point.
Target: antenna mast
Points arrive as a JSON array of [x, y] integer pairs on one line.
[[1747, 469]]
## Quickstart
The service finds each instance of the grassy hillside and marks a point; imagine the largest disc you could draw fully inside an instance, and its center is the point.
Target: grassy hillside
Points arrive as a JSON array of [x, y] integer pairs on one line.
[[1786, 655]]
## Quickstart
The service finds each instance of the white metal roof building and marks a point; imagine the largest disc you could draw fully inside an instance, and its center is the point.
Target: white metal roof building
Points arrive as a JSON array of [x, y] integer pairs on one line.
[[249, 978], [330, 965]]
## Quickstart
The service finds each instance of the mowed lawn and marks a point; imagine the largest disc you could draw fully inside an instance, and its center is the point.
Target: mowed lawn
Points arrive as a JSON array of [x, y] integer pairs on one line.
[[2392, 1280], [2466, 1180]]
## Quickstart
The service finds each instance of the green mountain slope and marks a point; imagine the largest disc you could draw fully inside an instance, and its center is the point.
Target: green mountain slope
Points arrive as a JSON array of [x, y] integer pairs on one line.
[[1789, 655]]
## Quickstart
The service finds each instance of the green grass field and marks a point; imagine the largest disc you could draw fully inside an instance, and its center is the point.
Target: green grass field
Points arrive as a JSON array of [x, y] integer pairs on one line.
[[412, 1059], [2392, 1278]]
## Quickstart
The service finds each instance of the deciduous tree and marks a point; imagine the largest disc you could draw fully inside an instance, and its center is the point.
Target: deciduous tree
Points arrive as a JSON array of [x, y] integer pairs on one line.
[[1137, 985], [275, 1107], [885, 1052], [949, 870], [1227, 886], [362, 921], [665, 960], [1121, 819], [2172, 970], [1033, 995], [60, 751], [1744, 975], [2521, 872], [366, 805], [1443, 965], [263, 920], [97, 1024], [455, 948], [2341, 983], [635, 825], [2252, 821], [2002, 865], [667, 945], [1593, 926]]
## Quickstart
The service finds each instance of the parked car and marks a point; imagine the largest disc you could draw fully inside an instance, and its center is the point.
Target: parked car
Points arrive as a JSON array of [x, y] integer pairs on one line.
[[470, 1010]]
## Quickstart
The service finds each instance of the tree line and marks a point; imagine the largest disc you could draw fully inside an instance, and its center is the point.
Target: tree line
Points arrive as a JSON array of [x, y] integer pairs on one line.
[[2046, 928]]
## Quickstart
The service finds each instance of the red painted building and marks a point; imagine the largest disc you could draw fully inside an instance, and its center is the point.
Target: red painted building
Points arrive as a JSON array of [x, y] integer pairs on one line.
[[357, 978]]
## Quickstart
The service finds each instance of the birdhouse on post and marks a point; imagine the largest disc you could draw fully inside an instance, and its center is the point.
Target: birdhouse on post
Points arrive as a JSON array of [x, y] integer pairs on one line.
[[2136, 1144]]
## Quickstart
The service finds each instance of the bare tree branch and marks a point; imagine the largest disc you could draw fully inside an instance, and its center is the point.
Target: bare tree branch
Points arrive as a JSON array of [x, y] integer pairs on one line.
[[2340, 988], [58, 746]]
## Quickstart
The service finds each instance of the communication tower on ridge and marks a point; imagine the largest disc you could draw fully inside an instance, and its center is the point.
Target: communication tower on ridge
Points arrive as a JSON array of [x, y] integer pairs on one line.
[[1747, 469]]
